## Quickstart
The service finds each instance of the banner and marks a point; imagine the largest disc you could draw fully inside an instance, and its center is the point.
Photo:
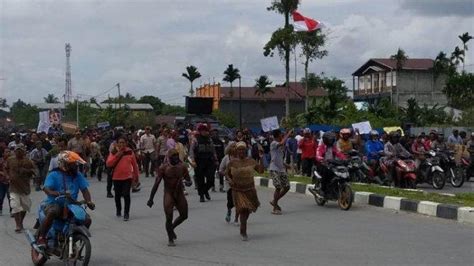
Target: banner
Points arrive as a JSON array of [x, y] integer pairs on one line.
[[105, 124], [363, 127], [390, 129], [44, 122], [269, 123]]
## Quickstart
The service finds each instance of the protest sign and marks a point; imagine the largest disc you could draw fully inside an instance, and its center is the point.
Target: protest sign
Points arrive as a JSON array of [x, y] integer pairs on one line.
[[363, 127], [269, 123]]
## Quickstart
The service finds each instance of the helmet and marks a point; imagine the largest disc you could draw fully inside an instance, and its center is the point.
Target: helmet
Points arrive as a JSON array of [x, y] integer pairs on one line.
[[307, 131], [67, 158], [329, 138], [374, 133], [345, 131], [394, 136]]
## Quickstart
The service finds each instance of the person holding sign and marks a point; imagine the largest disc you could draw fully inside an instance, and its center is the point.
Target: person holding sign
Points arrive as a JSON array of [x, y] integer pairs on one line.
[[277, 168]]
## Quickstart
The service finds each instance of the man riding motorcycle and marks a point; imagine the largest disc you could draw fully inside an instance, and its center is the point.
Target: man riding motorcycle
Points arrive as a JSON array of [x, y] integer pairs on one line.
[[373, 148], [392, 150], [327, 151], [344, 144], [64, 180]]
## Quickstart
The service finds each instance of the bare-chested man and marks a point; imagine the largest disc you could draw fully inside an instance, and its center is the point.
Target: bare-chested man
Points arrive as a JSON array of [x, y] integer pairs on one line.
[[172, 172]]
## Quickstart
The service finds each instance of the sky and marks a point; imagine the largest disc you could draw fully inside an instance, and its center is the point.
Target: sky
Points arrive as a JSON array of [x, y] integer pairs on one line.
[[145, 45]]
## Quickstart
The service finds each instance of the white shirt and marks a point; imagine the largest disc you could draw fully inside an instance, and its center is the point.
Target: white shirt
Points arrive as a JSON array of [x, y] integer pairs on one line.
[[298, 139], [147, 143]]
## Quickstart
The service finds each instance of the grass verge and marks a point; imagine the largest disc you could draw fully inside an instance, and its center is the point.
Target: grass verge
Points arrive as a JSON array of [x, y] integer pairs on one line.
[[461, 199]]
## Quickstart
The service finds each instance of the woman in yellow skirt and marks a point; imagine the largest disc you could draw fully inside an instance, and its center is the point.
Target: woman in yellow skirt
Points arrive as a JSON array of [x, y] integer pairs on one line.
[[240, 173]]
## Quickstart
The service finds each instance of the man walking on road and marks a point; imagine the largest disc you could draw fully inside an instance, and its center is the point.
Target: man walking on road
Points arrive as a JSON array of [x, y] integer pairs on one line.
[[204, 158], [20, 170], [147, 146], [173, 172], [278, 169]]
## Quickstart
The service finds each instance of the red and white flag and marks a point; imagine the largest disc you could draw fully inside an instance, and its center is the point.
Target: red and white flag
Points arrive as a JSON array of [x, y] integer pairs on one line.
[[302, 23]]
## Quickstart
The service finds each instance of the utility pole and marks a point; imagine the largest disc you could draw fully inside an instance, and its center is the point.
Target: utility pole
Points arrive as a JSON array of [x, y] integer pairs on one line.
[[77, 111], [68, 87], [240, 103], [118, 87]]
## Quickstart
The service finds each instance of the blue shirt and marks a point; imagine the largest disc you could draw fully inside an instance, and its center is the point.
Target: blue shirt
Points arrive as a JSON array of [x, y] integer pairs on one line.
[[55, 182], [372, 146]]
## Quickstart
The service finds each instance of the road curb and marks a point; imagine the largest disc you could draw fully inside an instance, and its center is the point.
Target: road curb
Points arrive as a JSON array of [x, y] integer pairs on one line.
[[446, 211]]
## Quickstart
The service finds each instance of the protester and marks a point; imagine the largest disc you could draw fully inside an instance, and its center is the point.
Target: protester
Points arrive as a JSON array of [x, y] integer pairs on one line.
[[38, 156], [240, 173], [203, 156], [125, 170], [298, 139], [455, 138], [308, 152], [147, 146], [59, 147], [418, 150], [173, 172], [97, 160], [373, 149], [277, 169], [4, 180], [20, 170], [290, 152]]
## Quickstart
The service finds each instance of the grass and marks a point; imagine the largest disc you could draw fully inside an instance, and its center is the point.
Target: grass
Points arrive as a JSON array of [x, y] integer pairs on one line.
[[461, 199]]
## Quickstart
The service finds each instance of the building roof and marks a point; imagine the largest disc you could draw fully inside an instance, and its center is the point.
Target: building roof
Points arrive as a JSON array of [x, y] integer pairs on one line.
[[132, 106], [297, 92], [391, 64]]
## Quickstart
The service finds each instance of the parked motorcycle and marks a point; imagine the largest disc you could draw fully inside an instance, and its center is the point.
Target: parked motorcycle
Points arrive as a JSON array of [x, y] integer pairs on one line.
[[405, 169], [67, 239], [431, 172], [338, 188], [454, 172], [358, 169], [375, 173]]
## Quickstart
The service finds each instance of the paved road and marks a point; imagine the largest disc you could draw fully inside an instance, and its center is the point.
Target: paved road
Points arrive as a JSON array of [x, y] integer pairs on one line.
[[305, 235], [448, 188]]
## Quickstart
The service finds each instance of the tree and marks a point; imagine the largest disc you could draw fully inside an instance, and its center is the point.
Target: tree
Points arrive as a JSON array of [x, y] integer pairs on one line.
[[411, 112], [460, 90], [282, 40], [311, 43], [26, 114], [400, 57], [262, 89], [3, 103], [442, 65], [51, 99], [457, 56], [465, 38], [155, 102], [226, 119], [191, 75], [230, 75]]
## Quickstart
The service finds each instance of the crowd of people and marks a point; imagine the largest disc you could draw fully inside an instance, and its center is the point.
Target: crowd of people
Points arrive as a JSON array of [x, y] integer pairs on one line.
[[182, 156]]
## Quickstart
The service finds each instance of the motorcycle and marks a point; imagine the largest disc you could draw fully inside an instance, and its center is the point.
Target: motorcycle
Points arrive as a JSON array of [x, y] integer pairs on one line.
[[454, 172], [338, 188], [67, 239], [404, 168], [431, 172], [375, 172], [356, 167]]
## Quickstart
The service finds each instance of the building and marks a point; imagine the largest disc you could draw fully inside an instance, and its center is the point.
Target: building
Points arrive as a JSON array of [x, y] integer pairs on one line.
[[255, 107], [143, 107], [379, 78]]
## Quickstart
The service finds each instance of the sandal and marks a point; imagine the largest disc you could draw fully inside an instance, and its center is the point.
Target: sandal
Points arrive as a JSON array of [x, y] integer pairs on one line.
[[276, 212], [277, 207]]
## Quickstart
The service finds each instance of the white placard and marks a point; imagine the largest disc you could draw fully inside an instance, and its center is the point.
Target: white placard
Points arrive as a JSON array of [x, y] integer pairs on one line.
[[364, 127], [269, 123], [44, 122]]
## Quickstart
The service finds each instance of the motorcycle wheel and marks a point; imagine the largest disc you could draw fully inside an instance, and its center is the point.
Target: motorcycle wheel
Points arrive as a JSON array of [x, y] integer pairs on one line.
[[345, 197], [37, 258], [459, 175], [411, 184], [82, 250], [438, 180]]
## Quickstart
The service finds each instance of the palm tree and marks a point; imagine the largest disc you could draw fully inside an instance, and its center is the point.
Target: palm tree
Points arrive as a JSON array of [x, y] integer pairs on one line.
[[400, 57], [457, 56], [442, 64], [465, 38], [191, 75], [262, 89], [51, 99], [231, 74]]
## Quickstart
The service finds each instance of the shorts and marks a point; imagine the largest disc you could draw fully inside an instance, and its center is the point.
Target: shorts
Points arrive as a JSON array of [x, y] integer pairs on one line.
[[280, 179], [20, 202]]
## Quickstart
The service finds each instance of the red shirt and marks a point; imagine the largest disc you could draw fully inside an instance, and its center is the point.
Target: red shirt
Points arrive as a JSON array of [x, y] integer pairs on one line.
[[125, 167], [308, 148]]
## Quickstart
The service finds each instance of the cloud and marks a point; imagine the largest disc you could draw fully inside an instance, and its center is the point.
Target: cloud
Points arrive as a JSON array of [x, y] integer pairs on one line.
[[439, 7], [146, 45]]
